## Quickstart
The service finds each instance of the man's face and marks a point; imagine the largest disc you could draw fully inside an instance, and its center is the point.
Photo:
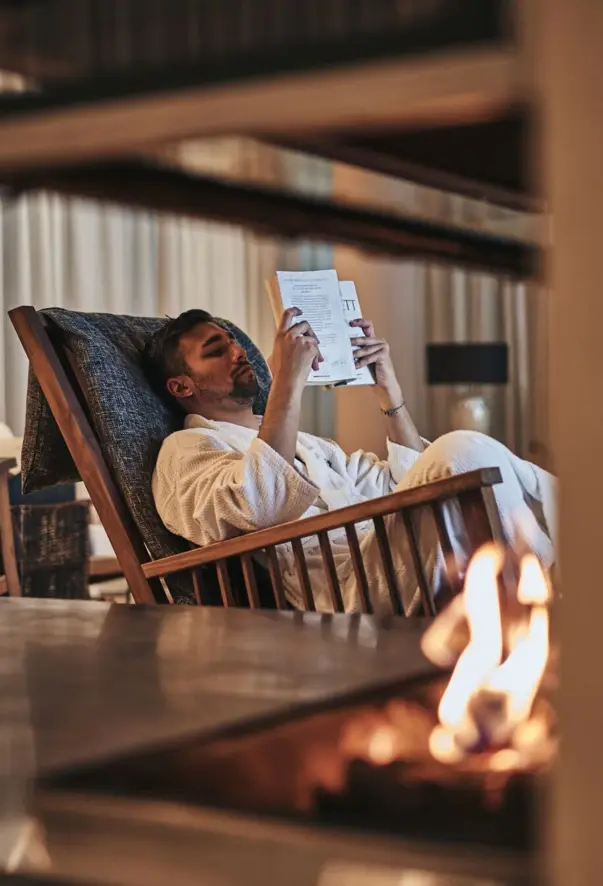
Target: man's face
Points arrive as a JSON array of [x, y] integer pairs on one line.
[[217, 367]]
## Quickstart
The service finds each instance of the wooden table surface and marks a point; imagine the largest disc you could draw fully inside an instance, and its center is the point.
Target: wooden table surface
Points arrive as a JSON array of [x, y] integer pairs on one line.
[[83, 680]]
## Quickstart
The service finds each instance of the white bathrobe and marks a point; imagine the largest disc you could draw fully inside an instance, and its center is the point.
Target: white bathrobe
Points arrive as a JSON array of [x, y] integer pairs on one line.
[[215, 480]]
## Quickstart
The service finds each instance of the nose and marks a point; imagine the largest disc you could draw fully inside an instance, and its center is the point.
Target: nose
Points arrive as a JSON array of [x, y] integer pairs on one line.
[[239, 354]]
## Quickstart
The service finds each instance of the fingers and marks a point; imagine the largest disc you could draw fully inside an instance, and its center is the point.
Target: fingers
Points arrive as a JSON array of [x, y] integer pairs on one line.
[[368, 341], [302, 332], [287, 318], [303, 328], [366, 326], [366, 355]]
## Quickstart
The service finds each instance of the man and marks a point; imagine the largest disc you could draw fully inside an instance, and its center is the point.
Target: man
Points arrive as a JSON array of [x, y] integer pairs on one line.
[[230, 471]]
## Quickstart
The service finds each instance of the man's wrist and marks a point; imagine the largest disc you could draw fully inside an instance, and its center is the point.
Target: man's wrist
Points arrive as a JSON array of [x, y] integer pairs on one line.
[[389, 397], [286, 390]]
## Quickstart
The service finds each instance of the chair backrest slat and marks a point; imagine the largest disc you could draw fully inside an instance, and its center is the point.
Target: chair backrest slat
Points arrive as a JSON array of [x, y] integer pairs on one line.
[[388, 566], [474, 509], [417, 562], [303, 575], [450, 562], [362, 585], [276, 579], [224, 582], [196, 587], [247, 567], [331, 572]]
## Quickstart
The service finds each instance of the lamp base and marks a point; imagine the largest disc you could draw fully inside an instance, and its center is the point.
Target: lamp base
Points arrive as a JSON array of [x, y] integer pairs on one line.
[[470, 413]]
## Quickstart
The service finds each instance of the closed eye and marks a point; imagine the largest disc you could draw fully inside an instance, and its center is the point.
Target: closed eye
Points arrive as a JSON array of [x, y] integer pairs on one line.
[[217, 352], [216, 345]]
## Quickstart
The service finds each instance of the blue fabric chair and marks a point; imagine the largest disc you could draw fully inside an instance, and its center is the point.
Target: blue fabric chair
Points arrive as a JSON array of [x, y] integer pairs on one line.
[[129, 417]]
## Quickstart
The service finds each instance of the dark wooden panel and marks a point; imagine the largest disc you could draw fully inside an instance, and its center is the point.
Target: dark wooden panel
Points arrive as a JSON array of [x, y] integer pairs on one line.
[[95, 48]]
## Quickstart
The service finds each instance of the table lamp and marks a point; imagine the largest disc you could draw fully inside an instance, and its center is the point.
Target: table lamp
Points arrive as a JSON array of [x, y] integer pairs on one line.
[[468, 365]]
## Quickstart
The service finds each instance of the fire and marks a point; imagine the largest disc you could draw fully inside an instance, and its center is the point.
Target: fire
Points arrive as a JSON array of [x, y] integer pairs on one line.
[[489, 700]]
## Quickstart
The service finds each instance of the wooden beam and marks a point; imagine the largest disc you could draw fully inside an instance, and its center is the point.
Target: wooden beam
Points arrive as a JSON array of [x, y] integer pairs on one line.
[[282, 214], [377, 160], [454, 85]]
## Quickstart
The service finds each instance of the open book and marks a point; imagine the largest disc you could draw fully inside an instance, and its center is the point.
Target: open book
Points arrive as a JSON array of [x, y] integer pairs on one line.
[[328, 304]]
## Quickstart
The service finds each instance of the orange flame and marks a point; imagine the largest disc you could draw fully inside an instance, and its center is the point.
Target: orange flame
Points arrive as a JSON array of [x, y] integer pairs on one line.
[[484, 650], [485, 695]]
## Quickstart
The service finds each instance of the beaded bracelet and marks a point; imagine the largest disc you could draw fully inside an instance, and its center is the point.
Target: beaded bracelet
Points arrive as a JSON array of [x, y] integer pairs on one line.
[[393, 411]]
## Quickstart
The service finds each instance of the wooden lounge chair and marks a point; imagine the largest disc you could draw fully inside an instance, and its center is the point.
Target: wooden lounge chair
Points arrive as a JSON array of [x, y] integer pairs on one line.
[[91, 414]]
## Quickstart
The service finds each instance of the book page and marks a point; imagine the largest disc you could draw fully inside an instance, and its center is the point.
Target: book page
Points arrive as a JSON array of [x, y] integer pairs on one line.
[[351, 310], [316, 294]]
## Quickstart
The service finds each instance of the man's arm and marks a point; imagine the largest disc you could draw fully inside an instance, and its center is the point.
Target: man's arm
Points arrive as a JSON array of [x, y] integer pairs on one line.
[[206, 491], [295, 353], [374, 352], [399, 425]]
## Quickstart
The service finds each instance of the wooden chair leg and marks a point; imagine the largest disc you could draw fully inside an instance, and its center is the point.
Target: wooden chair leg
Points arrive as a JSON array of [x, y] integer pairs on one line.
[[7, 536]]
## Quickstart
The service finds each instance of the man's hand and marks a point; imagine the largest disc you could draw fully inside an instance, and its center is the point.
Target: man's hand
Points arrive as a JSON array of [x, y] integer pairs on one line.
[[374, 352], [295, 351]]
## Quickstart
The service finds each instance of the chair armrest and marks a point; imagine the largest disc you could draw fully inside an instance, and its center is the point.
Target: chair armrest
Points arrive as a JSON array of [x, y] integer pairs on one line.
[[377, 507]]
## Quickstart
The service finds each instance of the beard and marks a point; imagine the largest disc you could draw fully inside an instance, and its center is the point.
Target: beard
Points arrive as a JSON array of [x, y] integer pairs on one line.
[[245, 388]]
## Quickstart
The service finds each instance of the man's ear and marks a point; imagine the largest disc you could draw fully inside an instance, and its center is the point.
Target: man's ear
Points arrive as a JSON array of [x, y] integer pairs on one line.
[[179, 387]]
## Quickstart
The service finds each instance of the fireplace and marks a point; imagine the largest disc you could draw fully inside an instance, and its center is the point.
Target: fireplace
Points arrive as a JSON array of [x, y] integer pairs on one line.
[[455, 761]]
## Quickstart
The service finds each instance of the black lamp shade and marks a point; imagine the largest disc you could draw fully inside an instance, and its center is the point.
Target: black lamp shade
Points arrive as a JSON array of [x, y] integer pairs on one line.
[[468, 364]]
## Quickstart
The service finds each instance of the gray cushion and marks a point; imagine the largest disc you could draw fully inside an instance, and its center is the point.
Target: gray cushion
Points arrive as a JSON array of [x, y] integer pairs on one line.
[[130, 419]]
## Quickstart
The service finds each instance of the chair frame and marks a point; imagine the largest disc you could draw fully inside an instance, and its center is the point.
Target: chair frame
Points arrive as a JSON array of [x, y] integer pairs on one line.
[[64, 390], [9, 582]]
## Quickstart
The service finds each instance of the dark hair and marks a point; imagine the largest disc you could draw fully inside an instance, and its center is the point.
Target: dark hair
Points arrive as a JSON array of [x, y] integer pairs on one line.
[[162, 358]]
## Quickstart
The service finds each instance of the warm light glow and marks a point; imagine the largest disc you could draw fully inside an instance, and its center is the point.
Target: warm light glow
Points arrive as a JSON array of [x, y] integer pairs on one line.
[[505, 760], [533, 588], [520, 675], [484, 650], [488, 702], [382, 746], [443, 746]]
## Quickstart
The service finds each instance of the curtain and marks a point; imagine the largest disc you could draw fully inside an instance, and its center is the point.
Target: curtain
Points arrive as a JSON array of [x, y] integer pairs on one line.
[[72, 254], [462, 306], [87, 256], [415, 304]]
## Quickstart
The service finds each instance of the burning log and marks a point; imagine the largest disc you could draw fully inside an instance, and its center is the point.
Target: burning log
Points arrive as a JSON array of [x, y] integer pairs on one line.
[[459, 758], [490, 697]]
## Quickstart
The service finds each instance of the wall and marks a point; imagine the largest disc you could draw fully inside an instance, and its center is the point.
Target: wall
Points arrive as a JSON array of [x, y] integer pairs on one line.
[[413, 304]]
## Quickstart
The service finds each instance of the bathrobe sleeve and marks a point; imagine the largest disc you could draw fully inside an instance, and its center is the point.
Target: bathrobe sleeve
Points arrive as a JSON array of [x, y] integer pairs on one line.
[[372, 476], [206, 491]]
